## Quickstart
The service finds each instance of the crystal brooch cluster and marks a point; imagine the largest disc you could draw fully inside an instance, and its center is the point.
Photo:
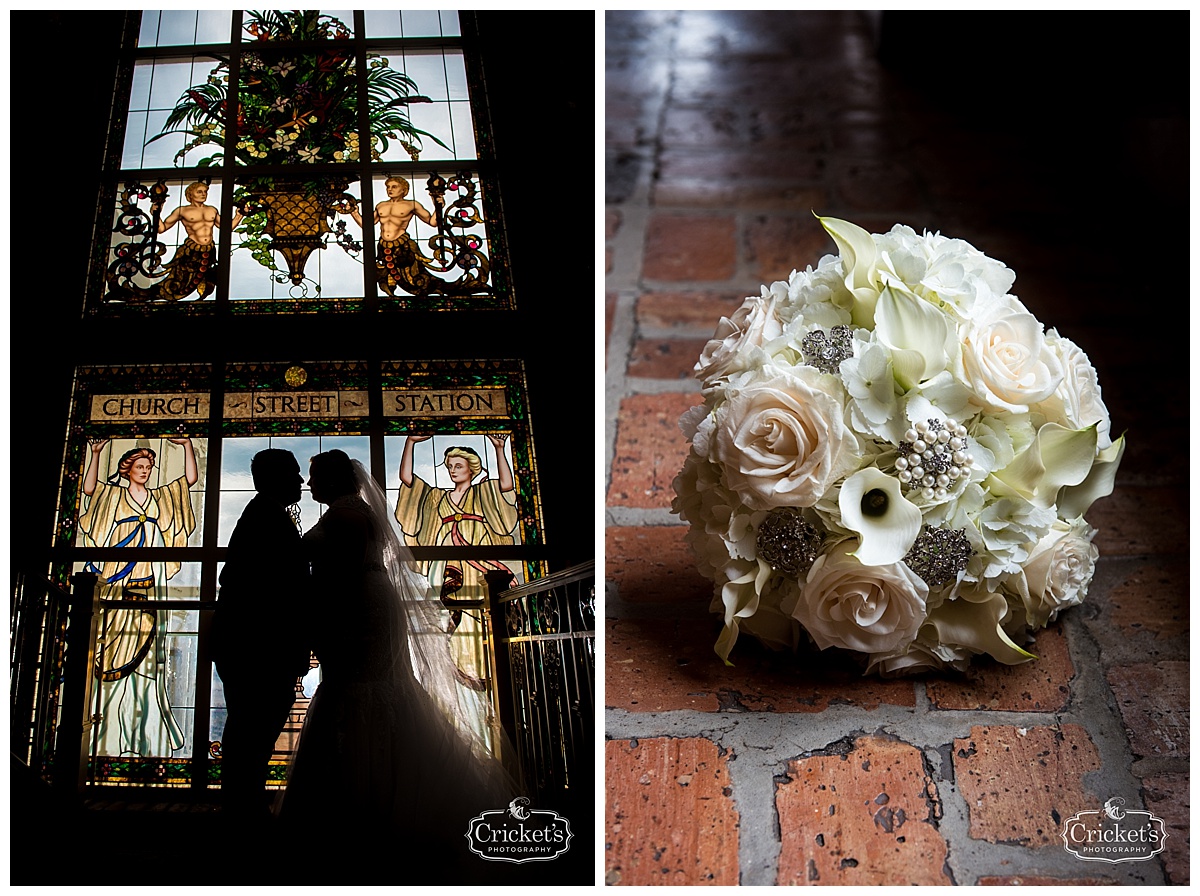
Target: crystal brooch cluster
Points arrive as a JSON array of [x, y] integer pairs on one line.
[[938, 555], [828, 352], [788, 542]]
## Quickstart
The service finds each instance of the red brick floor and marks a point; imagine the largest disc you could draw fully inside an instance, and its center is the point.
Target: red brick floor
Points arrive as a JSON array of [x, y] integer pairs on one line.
[[724, 132]]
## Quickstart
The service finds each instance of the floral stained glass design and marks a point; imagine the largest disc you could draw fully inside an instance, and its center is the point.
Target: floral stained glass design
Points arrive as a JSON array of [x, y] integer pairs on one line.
[[288, 104]]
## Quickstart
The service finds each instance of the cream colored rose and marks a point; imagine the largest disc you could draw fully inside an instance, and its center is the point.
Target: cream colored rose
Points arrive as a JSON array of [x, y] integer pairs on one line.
[[755, 323], [782, 439], [1005, 359], [1057, 573], [1076, 403], [871, 609]]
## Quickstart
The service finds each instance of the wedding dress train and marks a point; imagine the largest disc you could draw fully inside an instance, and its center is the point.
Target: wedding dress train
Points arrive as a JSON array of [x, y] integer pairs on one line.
[[386, 758]]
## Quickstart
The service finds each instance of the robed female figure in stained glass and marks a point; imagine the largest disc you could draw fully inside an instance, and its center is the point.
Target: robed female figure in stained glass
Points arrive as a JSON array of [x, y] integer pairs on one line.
[[131, 660], [470, 513]]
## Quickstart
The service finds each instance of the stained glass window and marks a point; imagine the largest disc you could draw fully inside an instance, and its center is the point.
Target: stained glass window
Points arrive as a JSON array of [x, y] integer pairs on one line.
[[357, 178], [157, 474], [189, 320]]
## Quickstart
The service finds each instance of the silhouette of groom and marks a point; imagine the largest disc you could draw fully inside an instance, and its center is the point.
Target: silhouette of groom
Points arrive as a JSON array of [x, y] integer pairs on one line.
[[259, 648]]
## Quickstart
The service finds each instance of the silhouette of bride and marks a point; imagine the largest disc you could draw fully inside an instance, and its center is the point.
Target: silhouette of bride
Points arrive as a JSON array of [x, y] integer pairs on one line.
[[386, 759]]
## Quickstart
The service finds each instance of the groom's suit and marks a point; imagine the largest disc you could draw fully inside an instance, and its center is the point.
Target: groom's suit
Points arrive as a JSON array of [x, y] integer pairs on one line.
[[260, 649]]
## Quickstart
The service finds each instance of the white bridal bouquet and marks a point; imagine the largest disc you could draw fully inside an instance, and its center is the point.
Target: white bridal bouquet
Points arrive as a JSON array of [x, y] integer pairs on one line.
[[894, 458]]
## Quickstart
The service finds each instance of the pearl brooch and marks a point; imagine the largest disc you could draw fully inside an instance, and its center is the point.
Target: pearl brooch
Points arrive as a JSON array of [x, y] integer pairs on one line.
[[932, 457]]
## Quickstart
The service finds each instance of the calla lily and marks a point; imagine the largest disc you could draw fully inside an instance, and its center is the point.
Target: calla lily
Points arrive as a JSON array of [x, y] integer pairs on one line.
[[860, 259], [740, 596], [1075, 500], [1057, 457], [973, 621], [917, 333], [887, 523]]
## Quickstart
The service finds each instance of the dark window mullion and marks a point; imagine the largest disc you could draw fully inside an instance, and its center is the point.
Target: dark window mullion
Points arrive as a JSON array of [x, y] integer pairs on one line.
[[202, 701], [366, 209], [229, 169]]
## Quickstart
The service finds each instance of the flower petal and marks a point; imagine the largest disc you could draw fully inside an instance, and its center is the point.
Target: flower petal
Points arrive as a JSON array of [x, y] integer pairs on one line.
[[1057, 456], [885, 538], [740, 600], [976, 625], [1075, 500], [859, 259], [916, 332]]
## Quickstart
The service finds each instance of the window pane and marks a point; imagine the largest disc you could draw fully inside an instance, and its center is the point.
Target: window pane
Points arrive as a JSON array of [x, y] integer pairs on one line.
[[428, 69], [169, 80], [433, 72], [426, 264], [146, 663], [145, 264], [141, 492], [157, 87], [284, 25], [176, 27], [411, 23], [462, 126], [148, 36], [213, 26], [456, 74], [237, 484], [457, 490], [134, 476], [297, 242]]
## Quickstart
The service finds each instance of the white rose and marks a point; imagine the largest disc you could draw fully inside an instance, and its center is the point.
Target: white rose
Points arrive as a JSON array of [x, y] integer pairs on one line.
[[754, 324], [1057, 573], [871, 609], [1077, 402], [782, 439], [1005, 359]]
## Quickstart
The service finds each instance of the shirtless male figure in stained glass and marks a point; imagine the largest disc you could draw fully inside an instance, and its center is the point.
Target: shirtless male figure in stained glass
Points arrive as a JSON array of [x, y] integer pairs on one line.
[[194, 267], [397, 261]]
